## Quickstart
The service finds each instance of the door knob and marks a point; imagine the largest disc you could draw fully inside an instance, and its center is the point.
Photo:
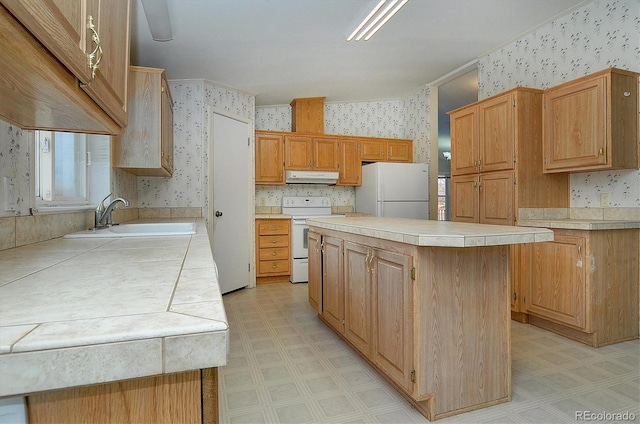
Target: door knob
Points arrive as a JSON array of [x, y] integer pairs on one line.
[[218, 213]]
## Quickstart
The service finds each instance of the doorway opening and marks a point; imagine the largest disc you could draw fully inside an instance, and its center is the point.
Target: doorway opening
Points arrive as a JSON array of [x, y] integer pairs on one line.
[[456, 91]]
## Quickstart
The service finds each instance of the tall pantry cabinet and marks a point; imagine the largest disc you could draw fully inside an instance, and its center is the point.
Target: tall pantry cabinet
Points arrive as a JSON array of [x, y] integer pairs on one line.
[[496, 165]]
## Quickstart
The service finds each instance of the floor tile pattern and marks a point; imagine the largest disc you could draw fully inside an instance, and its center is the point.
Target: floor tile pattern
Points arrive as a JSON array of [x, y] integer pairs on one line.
[[286, 366]]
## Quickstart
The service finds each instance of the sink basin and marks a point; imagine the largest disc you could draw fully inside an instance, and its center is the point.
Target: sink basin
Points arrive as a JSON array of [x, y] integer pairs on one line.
[[139, 230]]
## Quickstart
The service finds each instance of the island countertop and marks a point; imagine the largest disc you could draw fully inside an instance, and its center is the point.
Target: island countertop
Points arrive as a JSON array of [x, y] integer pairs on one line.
[[421, 232], [84, 311]]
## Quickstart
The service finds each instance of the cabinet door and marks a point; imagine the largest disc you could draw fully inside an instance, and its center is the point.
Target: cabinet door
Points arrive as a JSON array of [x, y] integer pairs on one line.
[[298, 152], [269, 158], [61, 26], [325, 154], [109, 85], [373, 150], [314, 284], [393, 315], [357, 297], [496, 198], [350, 166], [464, 141], [399, 151], [464, 199], [557, 288], [167, 127], [574, 125], [497, 134], [332, 283]]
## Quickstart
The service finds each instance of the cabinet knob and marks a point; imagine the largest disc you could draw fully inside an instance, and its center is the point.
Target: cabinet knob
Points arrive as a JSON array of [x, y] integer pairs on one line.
[[274, 241], [274, 266], [274, 228]]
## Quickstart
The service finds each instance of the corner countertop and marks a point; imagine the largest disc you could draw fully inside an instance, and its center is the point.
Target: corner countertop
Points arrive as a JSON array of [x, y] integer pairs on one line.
[[84, 311], [422, 232], [580, 224], [272, 216]]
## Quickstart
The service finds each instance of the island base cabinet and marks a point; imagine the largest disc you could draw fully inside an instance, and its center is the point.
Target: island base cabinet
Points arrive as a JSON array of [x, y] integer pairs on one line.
[[187, 397], [433, 321]]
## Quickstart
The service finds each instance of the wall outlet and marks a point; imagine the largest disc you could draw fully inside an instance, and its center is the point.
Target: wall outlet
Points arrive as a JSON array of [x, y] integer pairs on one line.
[[10, 194], [604, 200]]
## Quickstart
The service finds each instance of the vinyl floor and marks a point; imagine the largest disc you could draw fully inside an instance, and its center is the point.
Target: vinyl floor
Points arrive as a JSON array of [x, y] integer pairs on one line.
[[286, 366]]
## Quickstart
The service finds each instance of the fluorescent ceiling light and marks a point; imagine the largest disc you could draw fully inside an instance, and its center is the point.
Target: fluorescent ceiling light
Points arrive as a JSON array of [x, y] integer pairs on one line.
[[158, 19], [376, 19]]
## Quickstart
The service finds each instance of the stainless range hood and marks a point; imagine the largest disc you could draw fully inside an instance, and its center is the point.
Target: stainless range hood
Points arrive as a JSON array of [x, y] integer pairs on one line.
[[311, 177]]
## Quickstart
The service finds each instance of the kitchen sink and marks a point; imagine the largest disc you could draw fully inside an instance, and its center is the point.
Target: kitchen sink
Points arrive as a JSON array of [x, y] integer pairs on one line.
[[139, 230]]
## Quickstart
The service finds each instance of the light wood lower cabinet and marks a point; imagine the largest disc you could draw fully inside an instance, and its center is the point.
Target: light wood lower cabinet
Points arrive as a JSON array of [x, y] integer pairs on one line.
[[584, 285], [434, 322], [273, 250], [332, 283], [190, 398]]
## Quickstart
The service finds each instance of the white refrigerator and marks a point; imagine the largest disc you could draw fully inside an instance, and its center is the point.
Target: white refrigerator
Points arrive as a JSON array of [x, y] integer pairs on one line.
[[396, 190]]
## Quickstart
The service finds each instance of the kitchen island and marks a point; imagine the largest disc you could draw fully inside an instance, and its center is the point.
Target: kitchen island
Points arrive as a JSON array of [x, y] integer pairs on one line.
[[426, 303], [113, 329]]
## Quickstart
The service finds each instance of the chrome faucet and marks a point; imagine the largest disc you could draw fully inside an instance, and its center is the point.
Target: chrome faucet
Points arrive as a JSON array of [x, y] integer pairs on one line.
[[103, 214]]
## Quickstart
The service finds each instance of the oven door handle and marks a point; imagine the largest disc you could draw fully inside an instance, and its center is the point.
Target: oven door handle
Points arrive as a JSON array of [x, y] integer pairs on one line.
[[299, 221]]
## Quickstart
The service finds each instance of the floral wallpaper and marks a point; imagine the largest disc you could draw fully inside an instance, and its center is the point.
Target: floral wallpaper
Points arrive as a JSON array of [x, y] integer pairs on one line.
[[597, 36], [14, 162], [189, 185]]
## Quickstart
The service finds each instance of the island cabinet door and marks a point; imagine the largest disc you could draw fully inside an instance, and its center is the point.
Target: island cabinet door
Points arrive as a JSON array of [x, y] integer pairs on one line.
[[557, 286], [357, 296], [393, 315], [332, 283], [315, 271]]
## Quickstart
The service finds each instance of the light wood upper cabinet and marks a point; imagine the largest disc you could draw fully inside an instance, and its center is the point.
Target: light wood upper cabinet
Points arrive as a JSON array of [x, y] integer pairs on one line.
[[90, 38], [497, 149], [482, 136], [464, 141], [496, 155], [269, 158], [386, 150], [373, 150], [326, 154], [591, 123], [146, 146], [303, 152], [349, 164]]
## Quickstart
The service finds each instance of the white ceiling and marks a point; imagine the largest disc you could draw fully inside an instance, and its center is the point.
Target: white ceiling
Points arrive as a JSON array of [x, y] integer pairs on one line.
[[283, 49]]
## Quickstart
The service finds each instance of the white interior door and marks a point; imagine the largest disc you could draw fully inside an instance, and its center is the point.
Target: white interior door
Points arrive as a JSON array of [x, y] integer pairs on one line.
[[230, 213]]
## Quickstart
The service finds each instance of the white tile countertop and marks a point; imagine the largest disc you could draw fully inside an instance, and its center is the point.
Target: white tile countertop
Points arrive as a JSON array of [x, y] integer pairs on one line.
[[85, 311], [421, 232]]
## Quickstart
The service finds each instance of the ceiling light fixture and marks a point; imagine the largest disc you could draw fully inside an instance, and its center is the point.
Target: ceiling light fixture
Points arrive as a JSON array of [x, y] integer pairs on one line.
[[157, 15], [376, 19]]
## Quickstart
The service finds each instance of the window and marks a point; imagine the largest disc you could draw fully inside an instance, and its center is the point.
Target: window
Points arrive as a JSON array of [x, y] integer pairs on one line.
[[71, 169]]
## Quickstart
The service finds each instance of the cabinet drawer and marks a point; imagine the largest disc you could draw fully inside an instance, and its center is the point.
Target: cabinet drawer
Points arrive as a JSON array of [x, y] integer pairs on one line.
[[274, 254], [273, 267], [274, 241], [273, 227]]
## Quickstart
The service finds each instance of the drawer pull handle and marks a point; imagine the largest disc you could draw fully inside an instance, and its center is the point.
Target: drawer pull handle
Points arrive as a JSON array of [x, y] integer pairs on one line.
[[274, 266], [274, 241], [274, 253], [274, 228]]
